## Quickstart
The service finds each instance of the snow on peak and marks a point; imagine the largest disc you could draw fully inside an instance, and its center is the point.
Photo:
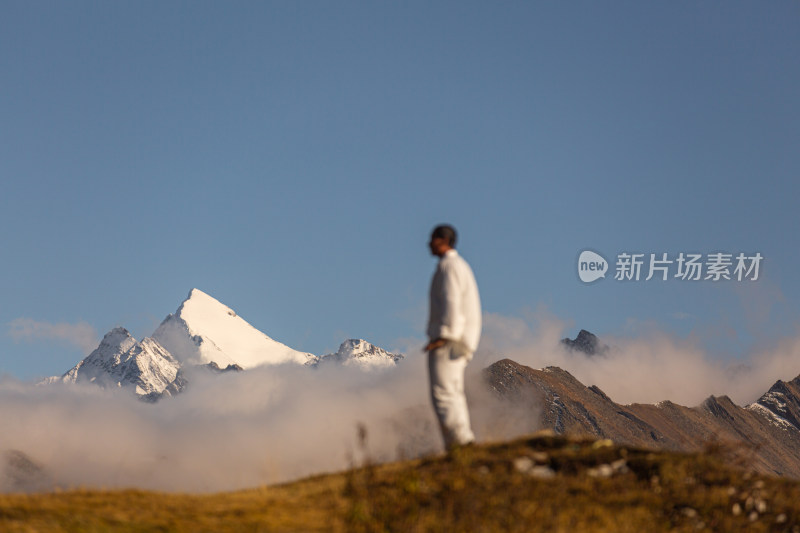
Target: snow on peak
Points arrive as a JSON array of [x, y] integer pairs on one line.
[[120, 361], [354, 346], [117, 339], [197, 299], [203, 330], [362, 353]]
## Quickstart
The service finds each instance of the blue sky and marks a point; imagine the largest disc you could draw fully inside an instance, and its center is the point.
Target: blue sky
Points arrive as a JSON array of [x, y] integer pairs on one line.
[[290, 159]]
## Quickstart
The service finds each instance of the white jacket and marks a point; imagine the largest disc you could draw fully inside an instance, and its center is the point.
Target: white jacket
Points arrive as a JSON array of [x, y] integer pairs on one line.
[[455, 306]]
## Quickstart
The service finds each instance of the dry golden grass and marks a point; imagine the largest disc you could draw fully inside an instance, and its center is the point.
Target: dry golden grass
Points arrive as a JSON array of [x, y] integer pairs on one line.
[[307, 505], [592, 487]]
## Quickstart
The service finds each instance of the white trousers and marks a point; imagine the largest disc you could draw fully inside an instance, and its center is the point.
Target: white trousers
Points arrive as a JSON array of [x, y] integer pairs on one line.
[[446, 372]]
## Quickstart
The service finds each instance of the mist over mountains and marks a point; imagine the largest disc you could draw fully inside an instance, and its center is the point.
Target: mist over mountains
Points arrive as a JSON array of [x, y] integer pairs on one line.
[[228, 407]]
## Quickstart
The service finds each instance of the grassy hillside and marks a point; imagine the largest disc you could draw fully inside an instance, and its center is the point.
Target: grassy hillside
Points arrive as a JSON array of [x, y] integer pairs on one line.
[[543, 483]]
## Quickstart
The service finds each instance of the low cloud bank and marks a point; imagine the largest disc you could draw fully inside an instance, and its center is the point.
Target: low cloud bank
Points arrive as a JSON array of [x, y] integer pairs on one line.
[[647, 369], [277, 423], [225, 432]]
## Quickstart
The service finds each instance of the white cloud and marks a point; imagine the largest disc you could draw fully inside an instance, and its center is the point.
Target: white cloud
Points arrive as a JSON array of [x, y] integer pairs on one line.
[[81, 334], [225, 432], [275, 423], [237, 430], [646, 366]]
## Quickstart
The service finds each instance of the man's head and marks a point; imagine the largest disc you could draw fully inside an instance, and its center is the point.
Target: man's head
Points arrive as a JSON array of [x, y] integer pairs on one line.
[[443, 238]]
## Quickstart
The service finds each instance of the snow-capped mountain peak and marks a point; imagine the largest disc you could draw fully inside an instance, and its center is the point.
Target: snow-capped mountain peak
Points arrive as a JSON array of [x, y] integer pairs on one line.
[[120, 360], [362, 353], [203, 331], [116, 341]]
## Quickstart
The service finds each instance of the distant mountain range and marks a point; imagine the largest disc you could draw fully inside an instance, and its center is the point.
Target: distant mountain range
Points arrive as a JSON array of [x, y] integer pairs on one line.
[[765, 434], [202, 333]]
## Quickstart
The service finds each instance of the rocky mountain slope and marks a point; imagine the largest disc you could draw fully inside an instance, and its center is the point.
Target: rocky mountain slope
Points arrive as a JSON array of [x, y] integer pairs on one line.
[[767, 433]]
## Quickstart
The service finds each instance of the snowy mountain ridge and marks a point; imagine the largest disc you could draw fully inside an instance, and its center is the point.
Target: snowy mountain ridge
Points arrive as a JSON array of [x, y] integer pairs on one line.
[[120, 360], [361, 353], [202, 332]]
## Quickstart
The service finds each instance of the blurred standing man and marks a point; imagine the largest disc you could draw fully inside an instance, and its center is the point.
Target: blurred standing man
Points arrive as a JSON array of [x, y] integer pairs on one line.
[[454, 329]]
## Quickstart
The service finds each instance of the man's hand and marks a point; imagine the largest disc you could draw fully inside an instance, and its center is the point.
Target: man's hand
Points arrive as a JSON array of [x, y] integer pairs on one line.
[[434, 344]]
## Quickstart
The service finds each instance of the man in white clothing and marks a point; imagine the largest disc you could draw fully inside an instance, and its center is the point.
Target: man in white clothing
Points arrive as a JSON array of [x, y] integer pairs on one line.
[[454, 329]]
